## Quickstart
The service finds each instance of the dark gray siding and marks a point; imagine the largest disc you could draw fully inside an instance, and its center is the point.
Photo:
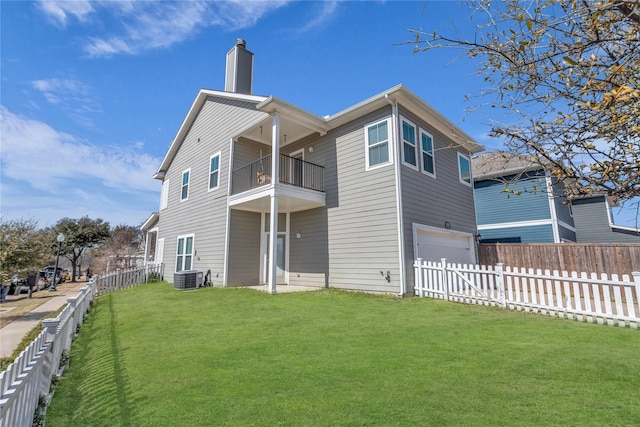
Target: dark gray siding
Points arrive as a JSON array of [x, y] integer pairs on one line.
[[204, 213], [566, 235], [592, 223], [563, 211], [244, 248], [434, 201]]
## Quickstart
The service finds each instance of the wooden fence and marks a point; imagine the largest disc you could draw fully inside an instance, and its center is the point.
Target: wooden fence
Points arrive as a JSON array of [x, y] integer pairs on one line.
[[600, 258], [584, 297], [29, 377]]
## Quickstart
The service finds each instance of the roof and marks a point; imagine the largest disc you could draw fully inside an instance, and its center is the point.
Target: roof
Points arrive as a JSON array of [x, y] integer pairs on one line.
[[303, 123], [502, 163]]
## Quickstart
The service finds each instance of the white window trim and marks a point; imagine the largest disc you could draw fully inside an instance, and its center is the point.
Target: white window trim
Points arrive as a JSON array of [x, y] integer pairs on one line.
[[164, 195], [390, 145], [460, 155], [433, 153], [183, 185], [193, 250], [219, 155], [415, 143]]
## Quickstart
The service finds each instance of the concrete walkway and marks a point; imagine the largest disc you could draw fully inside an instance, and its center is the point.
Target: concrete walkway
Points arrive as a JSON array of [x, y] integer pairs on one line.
[[12, 334]]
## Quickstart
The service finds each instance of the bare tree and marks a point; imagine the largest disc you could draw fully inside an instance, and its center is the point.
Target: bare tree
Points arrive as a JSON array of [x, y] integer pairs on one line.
[[569, 70]]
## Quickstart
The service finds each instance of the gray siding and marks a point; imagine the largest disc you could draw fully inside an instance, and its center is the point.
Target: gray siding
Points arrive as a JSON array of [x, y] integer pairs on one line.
[[362, 234], [434, 201], [204, 212], [244, 249], [308, 256], [592, 223], [563, 211]]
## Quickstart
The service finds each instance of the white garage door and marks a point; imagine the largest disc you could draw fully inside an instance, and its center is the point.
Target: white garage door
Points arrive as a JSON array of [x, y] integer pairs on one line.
[[435, 244]]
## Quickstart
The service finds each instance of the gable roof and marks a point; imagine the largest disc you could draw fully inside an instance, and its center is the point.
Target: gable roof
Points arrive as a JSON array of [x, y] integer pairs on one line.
[[502, 163], [202, 96], [305, 123]]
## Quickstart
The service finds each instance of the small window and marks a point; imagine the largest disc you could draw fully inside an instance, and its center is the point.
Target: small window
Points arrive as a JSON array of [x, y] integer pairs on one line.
[[426, 149], [377, 142], [464, 169], [184, 253], [214, 171], [164, 194], [184, 195], [409, 156]]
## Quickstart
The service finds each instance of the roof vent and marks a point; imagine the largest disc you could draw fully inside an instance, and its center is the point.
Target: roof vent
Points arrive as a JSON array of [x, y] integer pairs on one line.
[[239, 72]]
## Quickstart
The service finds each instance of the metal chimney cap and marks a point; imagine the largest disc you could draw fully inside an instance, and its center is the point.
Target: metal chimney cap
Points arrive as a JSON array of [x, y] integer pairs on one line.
[[241, 42]]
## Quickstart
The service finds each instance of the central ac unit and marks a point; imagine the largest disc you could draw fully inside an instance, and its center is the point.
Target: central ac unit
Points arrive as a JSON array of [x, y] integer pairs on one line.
[[188, 279]]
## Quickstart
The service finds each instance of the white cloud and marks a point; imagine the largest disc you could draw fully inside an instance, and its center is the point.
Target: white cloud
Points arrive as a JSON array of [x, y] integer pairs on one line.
[[73, 97], [59, 11], [158, 24], [47, 159]]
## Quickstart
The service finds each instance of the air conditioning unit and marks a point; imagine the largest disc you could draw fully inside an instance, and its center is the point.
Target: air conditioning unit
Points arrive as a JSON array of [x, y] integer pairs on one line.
[[188, 279]]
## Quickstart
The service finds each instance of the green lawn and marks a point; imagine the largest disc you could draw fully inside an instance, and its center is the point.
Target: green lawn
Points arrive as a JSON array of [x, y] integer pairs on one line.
[[156, 356]]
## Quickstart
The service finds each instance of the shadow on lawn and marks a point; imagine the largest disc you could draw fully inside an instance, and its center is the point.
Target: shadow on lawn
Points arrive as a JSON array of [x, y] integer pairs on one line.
[[103, 392], [119, 373]]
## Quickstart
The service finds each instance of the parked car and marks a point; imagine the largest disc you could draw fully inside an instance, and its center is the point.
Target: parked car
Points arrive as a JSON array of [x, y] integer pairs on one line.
[[29, 284], [60, 276]]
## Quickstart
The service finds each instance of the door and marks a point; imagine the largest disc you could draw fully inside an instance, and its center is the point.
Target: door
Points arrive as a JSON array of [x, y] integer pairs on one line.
[[435, 244], [297, 168], [280, 259]]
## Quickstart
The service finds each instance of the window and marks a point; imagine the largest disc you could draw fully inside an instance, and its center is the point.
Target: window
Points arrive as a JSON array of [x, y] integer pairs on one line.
[[184, 195], [464, 169], [377, 142], [164, 194], [426, 148], [184, 253], [214, 171], [409, 156]]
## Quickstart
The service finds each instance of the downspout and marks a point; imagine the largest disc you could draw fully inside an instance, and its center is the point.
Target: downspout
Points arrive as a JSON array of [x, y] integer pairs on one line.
[[225, 266], [399, 211]]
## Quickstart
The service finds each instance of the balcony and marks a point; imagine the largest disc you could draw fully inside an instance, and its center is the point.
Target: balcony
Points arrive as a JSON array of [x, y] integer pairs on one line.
[[295, 172], [251, 185]]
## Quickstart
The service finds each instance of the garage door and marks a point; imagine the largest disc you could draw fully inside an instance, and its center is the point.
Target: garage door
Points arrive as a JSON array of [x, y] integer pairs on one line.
[[434, 244]]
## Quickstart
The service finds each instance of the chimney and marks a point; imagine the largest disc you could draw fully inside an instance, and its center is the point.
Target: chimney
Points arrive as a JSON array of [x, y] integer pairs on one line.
[[239, 73]]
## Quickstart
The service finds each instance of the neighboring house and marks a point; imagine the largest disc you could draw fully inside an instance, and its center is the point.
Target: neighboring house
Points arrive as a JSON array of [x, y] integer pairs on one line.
[[259, 191], [517, 201], [594, 222]]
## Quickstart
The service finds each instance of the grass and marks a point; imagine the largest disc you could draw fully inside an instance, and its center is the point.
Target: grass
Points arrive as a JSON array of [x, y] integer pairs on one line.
[[155, 356]]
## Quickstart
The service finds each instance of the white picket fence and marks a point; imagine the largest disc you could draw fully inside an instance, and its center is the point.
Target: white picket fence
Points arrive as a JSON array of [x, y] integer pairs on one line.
[[31, 373], [583, 297]]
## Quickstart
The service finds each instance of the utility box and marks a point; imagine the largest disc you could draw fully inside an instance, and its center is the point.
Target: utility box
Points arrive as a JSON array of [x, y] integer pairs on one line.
[[188, 279]]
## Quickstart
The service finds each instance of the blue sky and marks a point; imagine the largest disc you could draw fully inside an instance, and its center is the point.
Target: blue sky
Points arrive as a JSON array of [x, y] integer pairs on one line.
[[93, 92]]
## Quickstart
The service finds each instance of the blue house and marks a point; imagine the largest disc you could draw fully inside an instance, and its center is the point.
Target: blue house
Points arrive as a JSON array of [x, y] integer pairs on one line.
[[517, 201]]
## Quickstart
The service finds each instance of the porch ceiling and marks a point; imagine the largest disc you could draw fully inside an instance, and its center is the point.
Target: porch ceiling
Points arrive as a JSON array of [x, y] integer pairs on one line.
[[290, 131], [290, 199], [295, 123]]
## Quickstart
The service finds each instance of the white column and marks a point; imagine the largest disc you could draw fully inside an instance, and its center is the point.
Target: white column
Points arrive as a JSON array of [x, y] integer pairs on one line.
[[273, 218], [146, 248]]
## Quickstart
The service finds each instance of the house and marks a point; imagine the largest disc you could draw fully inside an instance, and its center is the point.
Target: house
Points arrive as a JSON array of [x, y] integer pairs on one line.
[[256, 190], [594, 222], [517, 201]]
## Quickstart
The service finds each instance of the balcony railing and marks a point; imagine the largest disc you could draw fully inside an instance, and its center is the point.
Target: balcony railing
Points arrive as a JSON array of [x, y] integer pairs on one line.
[[293, 171]]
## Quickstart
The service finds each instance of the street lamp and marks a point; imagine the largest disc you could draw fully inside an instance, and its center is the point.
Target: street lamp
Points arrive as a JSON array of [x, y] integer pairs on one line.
[[60, 239]]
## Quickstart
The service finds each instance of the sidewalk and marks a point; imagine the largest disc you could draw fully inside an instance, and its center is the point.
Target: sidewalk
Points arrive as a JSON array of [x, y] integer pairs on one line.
[[12, 334]]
